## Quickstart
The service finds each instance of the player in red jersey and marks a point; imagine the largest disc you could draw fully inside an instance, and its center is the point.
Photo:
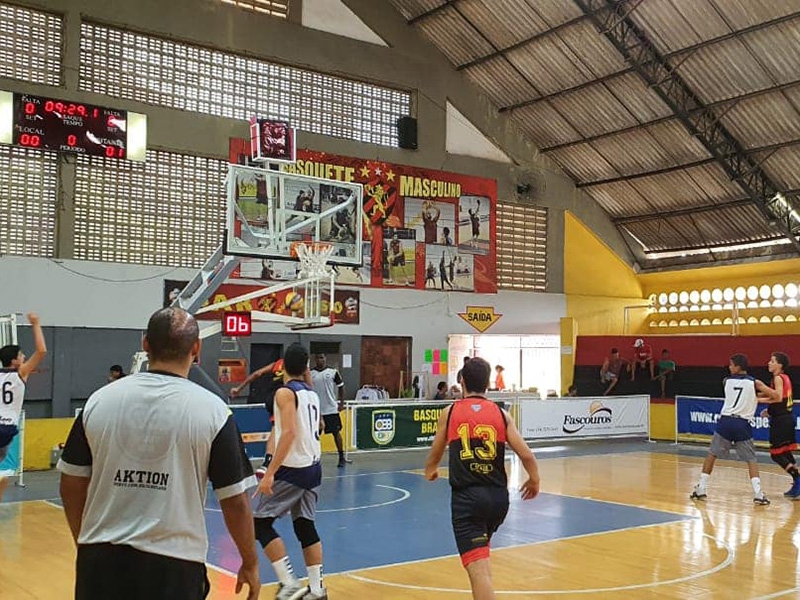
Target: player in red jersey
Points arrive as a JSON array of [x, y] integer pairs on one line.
[[782, 440], [477, 431]]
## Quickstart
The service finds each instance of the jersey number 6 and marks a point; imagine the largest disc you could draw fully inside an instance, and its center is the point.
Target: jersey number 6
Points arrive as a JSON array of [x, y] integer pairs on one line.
[[8, 395]]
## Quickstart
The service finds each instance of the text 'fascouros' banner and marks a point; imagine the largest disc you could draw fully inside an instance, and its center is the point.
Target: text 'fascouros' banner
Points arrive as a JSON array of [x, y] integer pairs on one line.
[[585, 417]]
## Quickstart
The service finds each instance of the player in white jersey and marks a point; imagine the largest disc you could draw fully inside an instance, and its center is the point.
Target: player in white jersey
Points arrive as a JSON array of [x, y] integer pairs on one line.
[[735, 428], [13, 377], [292, 480], [329, 385]]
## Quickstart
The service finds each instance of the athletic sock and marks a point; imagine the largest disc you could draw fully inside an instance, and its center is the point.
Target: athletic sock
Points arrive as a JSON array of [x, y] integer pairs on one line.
[[756, 483], [701, 485], [284, 571], [315, 579]]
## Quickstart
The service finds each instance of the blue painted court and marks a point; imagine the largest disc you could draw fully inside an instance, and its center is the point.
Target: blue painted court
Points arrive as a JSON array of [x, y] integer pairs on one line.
[[383, 518]]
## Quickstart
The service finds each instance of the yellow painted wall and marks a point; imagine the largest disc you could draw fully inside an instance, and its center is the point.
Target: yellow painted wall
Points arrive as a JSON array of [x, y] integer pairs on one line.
[[598, 284], [662, 421], [40, 437], [733, 276]]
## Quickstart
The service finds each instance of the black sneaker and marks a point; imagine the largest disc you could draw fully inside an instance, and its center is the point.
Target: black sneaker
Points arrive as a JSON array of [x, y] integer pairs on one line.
[[762, 501]]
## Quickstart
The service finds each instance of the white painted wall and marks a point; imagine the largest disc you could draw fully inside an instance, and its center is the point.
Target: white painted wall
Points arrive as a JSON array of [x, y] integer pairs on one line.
[[464, 138], [93, 294], [334, 17]]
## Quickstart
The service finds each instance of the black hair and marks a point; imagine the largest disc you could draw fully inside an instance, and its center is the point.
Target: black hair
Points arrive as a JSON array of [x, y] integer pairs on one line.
[[665, 350], [740, 360], [614, 351], [295, 360], [116, 368], [442, 385], [8, 354], [475, 375], [171, 333], [782, 358]]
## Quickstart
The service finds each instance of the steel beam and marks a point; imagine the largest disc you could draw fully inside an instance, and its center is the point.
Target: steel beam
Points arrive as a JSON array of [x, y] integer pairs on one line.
[[681, 212], [700, 121], [431, 12], [687, 50]]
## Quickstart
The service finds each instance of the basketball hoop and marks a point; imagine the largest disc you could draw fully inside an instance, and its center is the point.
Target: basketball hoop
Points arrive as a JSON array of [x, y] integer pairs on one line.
[[313, 257]]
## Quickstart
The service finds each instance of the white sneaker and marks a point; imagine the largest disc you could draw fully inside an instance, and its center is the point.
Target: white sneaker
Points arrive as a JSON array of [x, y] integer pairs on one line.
[[312, 596], [291, 591], [698, 494]]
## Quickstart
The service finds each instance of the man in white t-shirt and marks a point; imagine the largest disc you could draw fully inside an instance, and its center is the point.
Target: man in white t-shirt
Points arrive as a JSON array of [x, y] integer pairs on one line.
[[329, 386], [292, 480], [735, 429], [134, 475], [13, 377]]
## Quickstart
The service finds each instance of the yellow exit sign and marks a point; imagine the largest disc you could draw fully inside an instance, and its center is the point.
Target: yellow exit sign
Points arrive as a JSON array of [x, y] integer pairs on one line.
[[480, 317]]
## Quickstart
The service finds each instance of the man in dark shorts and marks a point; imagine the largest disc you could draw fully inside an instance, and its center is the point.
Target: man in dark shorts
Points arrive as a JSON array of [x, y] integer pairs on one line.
[[477, 431], [329, 385], [782, 439]]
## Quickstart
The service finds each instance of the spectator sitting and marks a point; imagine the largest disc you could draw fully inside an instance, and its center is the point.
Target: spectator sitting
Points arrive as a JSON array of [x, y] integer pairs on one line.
[[441, 391], [572, 391], [666, 371], [612, 370], [642, 356]]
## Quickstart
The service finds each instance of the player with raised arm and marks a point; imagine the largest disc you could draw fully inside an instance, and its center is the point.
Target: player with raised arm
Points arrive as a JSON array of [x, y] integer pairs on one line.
[[13, 377], [477, 431]]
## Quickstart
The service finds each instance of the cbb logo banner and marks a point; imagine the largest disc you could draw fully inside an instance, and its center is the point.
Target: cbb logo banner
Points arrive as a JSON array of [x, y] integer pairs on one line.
[[383, 426]]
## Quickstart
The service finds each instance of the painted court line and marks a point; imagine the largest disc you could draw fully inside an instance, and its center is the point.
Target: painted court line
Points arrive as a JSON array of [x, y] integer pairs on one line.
[[705, 573], [778, 594], [514, 546]]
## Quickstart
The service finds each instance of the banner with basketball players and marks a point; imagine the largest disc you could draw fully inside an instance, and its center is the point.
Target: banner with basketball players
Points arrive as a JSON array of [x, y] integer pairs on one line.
[[426, 229], [346, 305]]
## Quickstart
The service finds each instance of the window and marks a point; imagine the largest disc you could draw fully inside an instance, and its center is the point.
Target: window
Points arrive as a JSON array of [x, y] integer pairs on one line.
[[169, 210], [521, 247], [276, 8], [166, 73], [28, 195], [30, 45]]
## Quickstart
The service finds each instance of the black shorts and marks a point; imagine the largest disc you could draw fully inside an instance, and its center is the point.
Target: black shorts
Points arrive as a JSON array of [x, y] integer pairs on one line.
[[781, 434], [333, 423], [476, 513], [124, 573]]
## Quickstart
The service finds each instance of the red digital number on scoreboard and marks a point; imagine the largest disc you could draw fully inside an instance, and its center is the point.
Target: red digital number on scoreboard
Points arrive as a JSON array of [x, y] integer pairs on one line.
[[237, 324]]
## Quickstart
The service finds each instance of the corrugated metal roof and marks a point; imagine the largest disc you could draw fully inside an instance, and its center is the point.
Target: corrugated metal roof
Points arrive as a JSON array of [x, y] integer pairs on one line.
[[632, 130]]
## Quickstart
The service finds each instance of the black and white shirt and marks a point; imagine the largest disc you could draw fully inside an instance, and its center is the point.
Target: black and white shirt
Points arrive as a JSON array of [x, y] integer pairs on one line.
[[149, 444]]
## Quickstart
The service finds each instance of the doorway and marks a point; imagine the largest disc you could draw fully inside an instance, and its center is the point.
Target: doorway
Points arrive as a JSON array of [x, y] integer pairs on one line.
[[386, 362]]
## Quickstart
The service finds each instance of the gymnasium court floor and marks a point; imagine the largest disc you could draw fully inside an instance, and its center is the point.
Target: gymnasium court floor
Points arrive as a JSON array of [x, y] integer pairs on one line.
[[612, 521]]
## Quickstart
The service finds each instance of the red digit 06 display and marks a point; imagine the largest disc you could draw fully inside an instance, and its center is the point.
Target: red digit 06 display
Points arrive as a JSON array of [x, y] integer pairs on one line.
[[237, 324], [66, 126]]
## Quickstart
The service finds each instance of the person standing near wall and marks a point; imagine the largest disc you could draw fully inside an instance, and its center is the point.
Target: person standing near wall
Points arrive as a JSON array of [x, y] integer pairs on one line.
[[134, 475], [329, 385], [13, 377]]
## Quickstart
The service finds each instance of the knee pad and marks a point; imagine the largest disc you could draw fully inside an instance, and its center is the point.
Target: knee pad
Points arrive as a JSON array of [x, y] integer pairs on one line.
[[265, 532], [306, 532], [784, 459]]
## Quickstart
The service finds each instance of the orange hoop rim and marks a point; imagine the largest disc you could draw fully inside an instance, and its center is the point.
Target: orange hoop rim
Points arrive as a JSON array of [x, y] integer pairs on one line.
[[314, 246]]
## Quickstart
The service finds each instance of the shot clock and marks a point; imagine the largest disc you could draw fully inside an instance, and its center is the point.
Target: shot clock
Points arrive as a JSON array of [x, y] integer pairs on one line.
[[65, 126], [237, 324]]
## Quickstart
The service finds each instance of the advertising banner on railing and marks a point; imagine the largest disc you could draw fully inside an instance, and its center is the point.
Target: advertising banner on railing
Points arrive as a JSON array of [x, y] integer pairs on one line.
[[397, 425], [585, 417], [698, 416]]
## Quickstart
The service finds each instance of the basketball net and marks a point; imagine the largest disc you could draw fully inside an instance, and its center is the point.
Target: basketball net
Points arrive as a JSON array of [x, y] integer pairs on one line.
[[313, 257]]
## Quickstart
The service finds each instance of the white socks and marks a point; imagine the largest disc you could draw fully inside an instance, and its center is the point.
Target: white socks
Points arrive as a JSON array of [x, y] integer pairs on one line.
[[315, 579], [701, 485], [284, 571], [756, 483]]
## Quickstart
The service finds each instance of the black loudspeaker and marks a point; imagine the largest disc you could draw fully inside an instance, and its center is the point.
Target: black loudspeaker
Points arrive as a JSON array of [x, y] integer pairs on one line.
[[407, 133]]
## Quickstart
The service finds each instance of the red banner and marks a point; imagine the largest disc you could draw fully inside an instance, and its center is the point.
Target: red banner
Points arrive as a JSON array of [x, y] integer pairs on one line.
[[428, 229]]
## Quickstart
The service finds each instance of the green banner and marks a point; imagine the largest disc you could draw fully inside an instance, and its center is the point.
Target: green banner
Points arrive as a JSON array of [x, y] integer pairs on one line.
[[397, 426]]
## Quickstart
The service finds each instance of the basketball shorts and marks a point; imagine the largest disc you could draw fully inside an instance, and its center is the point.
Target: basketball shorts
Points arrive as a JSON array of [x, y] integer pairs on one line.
[[733, 432], [781, 434], [476, 513], [287, 498], [4, 451], [124, 573], [333, 423], [399, 261]]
